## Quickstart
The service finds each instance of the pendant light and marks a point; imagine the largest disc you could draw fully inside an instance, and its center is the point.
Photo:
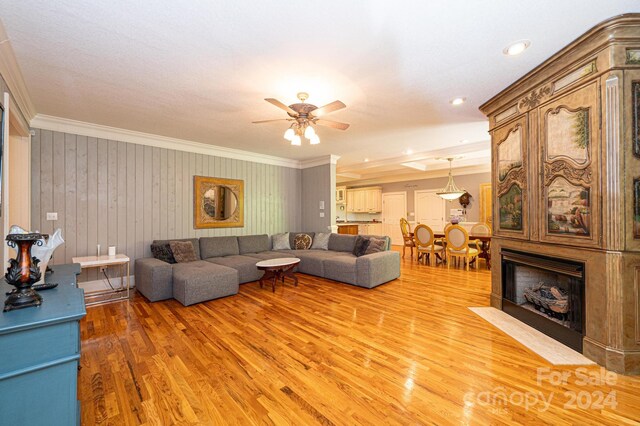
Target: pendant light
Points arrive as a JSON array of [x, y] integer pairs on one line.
[[451, 191]]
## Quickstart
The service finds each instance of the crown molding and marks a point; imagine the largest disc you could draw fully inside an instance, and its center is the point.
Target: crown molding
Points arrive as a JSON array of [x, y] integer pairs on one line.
[[321, 161], [65, 125], [10, 71]]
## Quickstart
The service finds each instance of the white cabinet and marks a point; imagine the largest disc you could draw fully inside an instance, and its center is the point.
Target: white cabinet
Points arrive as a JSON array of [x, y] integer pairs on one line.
[[370, 229], [364, 200], [341, 195]]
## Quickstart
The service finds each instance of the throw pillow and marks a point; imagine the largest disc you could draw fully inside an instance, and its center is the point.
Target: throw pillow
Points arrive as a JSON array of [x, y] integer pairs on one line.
[[376, 245], [302, 242], [281, 241], [163, 252], [362, 243], [183, 251], [321, 241]]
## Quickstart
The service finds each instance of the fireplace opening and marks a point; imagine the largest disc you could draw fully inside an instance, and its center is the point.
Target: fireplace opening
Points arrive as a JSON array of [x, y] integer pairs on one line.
[[546, 293]]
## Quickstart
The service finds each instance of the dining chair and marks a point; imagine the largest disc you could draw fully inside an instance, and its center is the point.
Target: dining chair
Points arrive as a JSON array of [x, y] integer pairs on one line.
[[407, 237], [425, 244], [481, 229], [458, 247]]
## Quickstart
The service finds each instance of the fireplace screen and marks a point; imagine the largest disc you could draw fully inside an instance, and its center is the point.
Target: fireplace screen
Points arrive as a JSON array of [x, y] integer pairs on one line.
[[547, 294]]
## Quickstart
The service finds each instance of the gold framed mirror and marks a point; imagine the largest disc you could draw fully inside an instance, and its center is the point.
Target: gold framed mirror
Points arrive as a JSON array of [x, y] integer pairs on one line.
[[217, 202]]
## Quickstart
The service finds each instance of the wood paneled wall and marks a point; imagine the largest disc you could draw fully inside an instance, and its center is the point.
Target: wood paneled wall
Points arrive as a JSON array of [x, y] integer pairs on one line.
[[117, 193]]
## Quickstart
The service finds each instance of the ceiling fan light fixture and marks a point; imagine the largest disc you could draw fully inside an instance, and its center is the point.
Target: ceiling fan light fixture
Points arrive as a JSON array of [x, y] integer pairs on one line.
[[296, 140], [309, 132], [289, 134], [314, 140]]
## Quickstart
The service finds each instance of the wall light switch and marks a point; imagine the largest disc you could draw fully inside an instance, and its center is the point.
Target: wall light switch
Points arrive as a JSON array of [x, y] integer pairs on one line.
[[321, 205], [52, 216], [321, 214]]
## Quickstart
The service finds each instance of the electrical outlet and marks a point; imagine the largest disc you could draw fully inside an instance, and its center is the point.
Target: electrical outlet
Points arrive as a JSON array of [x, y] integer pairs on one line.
[[321, 214], [52, 216]]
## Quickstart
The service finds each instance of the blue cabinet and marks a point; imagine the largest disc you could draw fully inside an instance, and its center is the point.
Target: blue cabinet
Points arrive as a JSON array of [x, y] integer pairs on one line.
[[40, 353]]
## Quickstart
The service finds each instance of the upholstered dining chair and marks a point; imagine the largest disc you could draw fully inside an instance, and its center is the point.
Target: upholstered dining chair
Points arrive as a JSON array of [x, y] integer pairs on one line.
[[407, 237], [426, 245], [457, 246], [480, 229]]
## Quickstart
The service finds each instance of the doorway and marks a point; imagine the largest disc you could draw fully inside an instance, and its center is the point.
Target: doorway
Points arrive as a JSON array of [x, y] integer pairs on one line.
[[430, 209], [394, 207]]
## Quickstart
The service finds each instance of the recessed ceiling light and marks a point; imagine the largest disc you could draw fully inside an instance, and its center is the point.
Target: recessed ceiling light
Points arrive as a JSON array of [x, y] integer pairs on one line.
[[408, 152], [464, 141], [516, 47], [366, 160], [457, 101]]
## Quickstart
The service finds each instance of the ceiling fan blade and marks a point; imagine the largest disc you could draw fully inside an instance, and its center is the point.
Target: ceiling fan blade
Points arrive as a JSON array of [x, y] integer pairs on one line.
[[281, 106], [332, 124], [271, 121], [328, 108]]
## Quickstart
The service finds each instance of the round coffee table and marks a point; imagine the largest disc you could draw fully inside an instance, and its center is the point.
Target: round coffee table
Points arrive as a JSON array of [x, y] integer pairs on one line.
[[278, 269]]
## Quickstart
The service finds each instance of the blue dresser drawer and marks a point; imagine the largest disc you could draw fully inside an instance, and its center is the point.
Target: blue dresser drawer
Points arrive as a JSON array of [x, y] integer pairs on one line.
[[51, 397], [38, 346]]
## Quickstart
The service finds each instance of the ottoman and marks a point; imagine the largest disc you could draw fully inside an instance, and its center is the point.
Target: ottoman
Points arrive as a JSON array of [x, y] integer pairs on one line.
[[199, 281]]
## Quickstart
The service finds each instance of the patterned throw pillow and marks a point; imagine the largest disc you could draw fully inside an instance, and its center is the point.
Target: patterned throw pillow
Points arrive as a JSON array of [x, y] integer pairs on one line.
[[281, 241], [183, 251], [376, 245], [302, 242], [163, 252], [362, 243], [321, 241]]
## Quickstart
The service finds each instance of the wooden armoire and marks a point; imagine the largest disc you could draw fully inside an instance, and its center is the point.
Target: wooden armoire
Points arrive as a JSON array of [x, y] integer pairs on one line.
[[566, 179]]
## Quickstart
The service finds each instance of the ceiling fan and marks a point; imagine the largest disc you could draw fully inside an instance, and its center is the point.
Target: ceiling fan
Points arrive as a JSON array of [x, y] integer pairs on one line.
[[304, 117]]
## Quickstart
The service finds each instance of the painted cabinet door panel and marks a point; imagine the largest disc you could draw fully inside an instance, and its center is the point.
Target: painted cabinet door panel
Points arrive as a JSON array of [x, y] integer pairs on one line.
[[569, 128], [631, 150], [511, 199]]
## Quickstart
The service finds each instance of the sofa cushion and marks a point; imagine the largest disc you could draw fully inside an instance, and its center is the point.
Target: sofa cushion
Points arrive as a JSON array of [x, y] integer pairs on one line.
[[163, 252], [253, 243], [362, 244], [293, 235], [266, 255], [321, 241], [302, 242], [245, 265], [311, 261], [200, 281], [340, 242], [218, 246], [281, 241], [196, 244], [183, 251], [341, 268], [376, 245]]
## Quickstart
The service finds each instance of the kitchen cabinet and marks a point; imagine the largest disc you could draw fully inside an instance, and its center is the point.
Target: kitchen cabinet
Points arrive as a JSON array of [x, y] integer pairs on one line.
[[348, 229], [364, 200], [341, 195], [370, 229]]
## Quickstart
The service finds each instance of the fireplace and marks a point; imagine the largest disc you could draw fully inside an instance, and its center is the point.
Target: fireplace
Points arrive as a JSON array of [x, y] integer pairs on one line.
[[546, 293]]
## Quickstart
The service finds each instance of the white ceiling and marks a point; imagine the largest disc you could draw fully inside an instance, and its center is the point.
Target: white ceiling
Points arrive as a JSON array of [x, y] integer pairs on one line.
[[200, 70]]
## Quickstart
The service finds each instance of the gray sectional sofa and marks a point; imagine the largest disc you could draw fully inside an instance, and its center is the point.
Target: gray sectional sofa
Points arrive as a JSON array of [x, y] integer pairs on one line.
[[227, 262]]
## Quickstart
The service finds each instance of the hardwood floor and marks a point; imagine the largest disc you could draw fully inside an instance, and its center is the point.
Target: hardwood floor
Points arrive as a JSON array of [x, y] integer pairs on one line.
[[407, 352]]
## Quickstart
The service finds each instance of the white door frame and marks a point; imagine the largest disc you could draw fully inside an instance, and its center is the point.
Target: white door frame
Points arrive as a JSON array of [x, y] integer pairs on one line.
[[415, 204], [403, 193]]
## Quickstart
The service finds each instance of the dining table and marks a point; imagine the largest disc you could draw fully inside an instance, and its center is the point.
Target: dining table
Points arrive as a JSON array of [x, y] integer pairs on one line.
[[485, 240]]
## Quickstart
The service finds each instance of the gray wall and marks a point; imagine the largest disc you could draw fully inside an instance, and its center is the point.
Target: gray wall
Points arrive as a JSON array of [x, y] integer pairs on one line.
[[116, 193], [469, 182], [318, 184]]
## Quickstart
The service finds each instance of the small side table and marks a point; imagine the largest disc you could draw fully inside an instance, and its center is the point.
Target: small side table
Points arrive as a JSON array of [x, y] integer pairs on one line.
[[120, 260]]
